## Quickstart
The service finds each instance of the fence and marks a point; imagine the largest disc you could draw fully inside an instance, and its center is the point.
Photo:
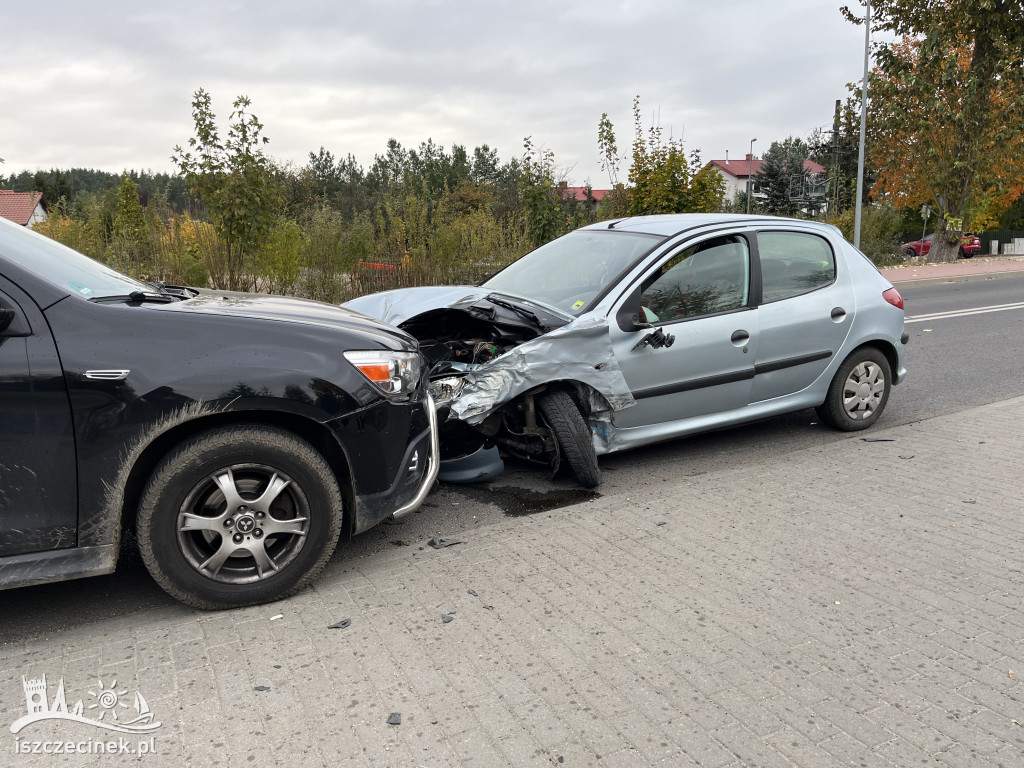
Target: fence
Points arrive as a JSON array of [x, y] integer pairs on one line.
[[1009, 241]]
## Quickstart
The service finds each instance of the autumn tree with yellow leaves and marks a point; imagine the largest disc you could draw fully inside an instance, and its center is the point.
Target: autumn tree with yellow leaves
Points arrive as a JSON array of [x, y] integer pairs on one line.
[[946, 116]]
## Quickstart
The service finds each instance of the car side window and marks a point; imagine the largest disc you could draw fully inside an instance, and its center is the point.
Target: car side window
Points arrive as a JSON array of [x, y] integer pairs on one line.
[[793, 263], [710, 277]]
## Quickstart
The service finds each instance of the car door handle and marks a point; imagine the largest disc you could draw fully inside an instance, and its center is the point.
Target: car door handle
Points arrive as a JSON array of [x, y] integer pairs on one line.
[[838, 314], [739, 338]]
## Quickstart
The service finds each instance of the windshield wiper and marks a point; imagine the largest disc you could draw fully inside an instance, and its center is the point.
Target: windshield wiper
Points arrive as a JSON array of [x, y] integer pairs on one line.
[[522, 312], [137, 297]]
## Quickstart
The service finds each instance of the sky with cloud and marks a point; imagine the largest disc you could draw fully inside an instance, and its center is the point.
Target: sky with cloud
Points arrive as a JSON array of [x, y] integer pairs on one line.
[[109, 84]]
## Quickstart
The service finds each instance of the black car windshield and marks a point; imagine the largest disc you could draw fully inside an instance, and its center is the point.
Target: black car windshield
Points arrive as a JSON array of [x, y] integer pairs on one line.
[[64, 267], [568, 273]]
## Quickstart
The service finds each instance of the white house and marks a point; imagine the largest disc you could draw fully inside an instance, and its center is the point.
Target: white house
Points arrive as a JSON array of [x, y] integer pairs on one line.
[[737, 172], [25, 208]]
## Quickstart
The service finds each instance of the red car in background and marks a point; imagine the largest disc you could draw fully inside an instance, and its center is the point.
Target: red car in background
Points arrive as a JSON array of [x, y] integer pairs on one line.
[[970, 245]]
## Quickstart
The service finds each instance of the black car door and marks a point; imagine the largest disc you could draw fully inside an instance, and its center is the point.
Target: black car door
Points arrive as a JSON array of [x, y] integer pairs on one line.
[[38, 482]]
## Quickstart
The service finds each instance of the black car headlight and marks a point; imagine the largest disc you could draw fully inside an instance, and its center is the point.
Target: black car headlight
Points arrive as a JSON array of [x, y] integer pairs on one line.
[[395, 374]]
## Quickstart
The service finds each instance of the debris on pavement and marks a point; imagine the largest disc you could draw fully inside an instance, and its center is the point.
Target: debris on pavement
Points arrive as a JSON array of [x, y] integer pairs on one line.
[[343, 624], [439, 543], [877, 440], [473, 592], [447, 617], [395, 718], [262, 688], [277, 616]]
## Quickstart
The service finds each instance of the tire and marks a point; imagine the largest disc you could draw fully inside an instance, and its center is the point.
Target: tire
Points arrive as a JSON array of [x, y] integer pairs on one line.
[[909, 253], [858, 392], [183, 517], [963, 254], [573, 435]]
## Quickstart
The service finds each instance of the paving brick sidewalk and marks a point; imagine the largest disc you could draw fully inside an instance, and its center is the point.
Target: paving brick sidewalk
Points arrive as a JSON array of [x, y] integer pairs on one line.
[[981, 268], [854, 604]]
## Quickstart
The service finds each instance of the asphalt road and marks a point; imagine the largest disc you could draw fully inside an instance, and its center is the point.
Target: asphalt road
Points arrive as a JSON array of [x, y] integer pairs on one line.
[[954, 362]]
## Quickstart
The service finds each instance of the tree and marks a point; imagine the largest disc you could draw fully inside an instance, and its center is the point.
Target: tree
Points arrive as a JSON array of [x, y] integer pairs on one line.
[[947, 103], [664, 180], [539, 195], [781, 173], [130, 219], [235, 182]]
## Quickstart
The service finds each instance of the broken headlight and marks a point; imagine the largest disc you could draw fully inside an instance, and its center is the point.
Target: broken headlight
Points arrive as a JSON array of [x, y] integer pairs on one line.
[[447, 389], [393, 373]]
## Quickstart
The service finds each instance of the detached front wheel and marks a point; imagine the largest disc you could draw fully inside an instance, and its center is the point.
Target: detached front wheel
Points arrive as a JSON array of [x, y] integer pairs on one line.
[[572, 433], [238, 516], [858, 392]]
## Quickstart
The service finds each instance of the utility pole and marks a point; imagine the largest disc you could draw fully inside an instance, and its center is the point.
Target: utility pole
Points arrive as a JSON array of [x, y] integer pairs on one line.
[[750, 175], [863, 126]]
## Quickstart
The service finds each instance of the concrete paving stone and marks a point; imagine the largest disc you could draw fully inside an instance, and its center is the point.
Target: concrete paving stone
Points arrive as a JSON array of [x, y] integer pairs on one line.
[[961, 730], [749, 749], [1002, 727], [851, 752], [520, 749], [850, 722], [794, 746], [908, 727]]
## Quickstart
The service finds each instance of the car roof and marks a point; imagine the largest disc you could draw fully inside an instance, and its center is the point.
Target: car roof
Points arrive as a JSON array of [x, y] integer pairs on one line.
[[669, 224]]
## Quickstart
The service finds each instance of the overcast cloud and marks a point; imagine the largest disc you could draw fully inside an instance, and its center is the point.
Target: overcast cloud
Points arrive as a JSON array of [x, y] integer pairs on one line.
[[109, 84]]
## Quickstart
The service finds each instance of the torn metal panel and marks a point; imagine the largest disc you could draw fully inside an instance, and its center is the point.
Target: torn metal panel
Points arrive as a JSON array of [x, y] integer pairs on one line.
[[565, 354]]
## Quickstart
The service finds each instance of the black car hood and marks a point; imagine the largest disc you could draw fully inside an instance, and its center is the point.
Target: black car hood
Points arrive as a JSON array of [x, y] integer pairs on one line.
[[288, 309]]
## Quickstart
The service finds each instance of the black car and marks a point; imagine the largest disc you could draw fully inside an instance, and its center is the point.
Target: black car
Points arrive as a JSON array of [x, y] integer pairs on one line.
[[240, 436]]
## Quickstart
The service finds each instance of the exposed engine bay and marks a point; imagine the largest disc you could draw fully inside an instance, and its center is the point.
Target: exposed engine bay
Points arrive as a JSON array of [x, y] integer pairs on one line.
[[457, 342], [505, 371]]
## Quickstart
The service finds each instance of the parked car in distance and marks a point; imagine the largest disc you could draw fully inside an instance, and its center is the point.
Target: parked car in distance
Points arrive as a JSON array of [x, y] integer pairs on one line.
[[638, 330], [240, 436], [970, 245]]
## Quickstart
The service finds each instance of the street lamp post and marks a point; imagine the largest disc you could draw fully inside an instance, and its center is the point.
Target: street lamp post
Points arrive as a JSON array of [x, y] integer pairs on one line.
[[750, 175], [863, 126]]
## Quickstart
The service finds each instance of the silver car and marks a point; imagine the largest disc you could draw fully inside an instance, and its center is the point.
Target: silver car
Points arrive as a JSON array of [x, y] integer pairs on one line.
[[643, 329]]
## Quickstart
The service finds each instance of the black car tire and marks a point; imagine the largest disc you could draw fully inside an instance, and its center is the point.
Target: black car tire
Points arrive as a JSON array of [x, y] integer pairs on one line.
[[573, 435], [858, 392], [183, 517], [909, 253], [963, 254]]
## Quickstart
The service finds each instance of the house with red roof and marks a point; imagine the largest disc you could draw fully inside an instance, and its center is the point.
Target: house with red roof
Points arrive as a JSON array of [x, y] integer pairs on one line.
[[579, 194], [24, 208], [737, 172]]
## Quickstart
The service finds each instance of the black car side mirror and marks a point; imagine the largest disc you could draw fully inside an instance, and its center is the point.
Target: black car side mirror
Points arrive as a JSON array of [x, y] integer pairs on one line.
[[630, 317]]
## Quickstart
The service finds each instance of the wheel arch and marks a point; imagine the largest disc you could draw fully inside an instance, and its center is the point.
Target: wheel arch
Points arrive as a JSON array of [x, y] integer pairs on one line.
[[883, 346], [312, 432]]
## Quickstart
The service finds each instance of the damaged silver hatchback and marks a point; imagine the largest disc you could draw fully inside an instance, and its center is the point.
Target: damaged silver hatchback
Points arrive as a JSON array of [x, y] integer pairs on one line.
[[638, 330]]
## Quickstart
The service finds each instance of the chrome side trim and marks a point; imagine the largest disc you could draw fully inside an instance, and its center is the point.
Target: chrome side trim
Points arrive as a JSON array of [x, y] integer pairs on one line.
[[112, 375], [435, 464]]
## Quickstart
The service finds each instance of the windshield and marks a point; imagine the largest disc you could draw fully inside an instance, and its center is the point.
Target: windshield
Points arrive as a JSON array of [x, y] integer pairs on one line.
[[62, 266], [571, 271]]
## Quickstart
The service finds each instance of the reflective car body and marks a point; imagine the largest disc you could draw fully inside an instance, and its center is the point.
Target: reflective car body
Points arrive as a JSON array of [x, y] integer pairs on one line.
[[658, 326], [103, 377]]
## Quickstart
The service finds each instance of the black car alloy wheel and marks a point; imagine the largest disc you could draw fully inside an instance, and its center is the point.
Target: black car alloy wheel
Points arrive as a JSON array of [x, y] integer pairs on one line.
[[239, 515]]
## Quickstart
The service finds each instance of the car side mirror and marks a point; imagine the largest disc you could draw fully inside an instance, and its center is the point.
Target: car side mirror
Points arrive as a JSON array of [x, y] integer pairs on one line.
[[630, 317]]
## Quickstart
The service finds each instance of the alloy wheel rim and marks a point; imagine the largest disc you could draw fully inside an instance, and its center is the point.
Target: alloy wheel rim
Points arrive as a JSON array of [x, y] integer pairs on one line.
[[243, 524]]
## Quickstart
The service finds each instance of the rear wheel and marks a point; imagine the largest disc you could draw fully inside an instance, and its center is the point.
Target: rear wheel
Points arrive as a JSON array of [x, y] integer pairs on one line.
[[239, 515], [858, 393], [572, 433], [909, 253]]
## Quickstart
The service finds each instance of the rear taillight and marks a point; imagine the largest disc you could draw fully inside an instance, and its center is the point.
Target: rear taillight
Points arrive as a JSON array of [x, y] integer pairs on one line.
[[893, 297]]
